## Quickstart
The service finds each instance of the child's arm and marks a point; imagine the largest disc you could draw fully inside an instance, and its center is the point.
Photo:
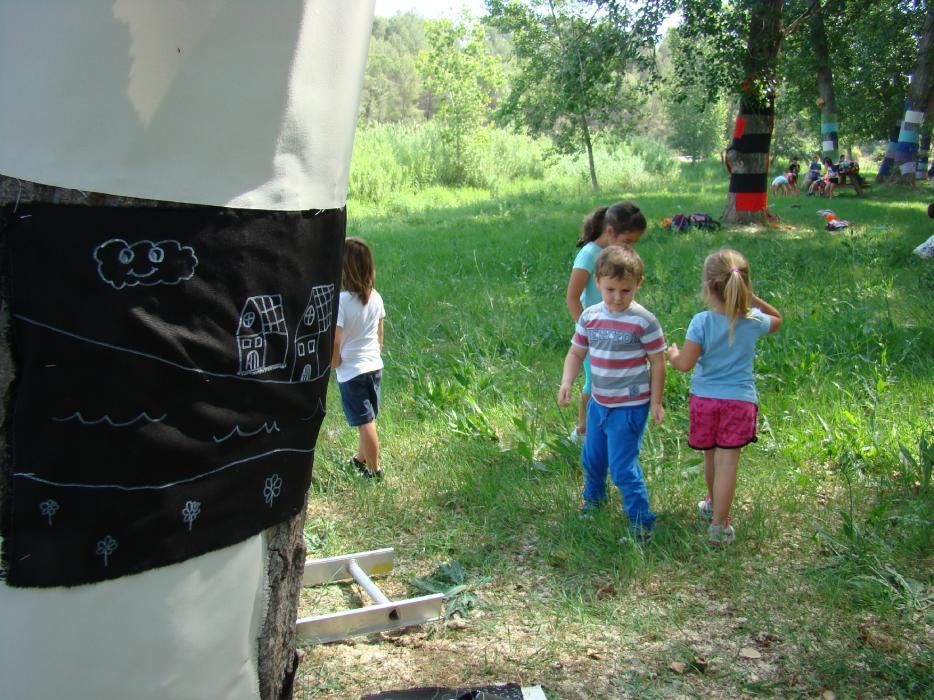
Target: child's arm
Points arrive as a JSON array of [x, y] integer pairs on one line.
[[684, 360], [572, 367], [336, 351], [657, 385], [775, 317], [576, 284], [379, 334]]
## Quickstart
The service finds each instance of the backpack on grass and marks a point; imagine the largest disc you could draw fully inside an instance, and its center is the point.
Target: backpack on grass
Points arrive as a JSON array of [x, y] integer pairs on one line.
[[704, 221]]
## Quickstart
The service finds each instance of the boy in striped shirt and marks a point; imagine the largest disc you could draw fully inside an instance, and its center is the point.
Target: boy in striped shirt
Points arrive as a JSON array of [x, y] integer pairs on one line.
[[627, 358]]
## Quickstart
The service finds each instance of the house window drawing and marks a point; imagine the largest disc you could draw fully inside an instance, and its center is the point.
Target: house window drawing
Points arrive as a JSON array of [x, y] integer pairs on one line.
[[262, 336], [311, 336]]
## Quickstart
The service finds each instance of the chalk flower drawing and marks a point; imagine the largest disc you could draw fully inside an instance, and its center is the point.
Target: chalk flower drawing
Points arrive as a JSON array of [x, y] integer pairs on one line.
[[272, 488], [106, 547], [190, 512], [49, 508]]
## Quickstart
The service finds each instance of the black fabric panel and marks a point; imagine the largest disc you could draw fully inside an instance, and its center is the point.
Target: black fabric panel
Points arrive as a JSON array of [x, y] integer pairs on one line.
[[748, 182], [752, 143], [172, 368]]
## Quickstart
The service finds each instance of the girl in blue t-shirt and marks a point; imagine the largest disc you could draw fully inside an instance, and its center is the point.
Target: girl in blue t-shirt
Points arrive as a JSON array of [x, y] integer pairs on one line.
[[619, 223], [723, 403]]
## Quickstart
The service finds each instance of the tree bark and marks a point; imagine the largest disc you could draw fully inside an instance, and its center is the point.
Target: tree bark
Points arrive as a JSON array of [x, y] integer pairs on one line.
[[285, 544], [590, 162], [888, 160], [747, 157], [829, 126]]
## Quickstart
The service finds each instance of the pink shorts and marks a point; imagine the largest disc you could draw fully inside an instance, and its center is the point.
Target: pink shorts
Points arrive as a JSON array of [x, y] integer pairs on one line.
[[721, 423]]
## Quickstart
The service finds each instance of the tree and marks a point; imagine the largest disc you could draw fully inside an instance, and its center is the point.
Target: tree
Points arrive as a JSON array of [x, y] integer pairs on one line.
[[694, 118], [572, 58], [392, 89], [917, 100], [826, 100], [464, 76], [871, 49], [760, 23]]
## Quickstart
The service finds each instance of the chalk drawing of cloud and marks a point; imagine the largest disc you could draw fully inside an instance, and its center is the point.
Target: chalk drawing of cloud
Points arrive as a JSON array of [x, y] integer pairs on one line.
[[121, 264]]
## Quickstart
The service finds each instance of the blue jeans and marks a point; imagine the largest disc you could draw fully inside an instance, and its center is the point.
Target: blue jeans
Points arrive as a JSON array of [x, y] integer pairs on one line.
[[612, 443], [360, 397]]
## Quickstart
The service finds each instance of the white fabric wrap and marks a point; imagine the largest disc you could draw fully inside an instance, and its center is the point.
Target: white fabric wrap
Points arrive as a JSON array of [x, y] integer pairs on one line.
[[225, 102], [222, 102]]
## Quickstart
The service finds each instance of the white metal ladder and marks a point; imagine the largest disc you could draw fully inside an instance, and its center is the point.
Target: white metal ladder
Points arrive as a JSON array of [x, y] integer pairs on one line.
[[382, 615]]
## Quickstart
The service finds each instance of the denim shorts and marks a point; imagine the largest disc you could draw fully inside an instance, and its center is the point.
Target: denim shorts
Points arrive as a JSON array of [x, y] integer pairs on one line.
[[360, 397]]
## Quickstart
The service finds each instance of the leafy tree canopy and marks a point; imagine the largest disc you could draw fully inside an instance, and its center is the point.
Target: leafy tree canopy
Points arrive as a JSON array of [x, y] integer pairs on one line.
[[573, 61]]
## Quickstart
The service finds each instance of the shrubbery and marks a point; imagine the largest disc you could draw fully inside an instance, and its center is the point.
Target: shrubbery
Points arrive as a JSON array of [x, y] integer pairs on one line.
[[396, 160]]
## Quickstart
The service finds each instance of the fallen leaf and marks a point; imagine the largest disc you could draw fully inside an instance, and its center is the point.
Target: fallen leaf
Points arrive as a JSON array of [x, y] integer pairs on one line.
[[749, 653], [699, 663], [870, 635], [766, 638], [595, 655], [678, 667]]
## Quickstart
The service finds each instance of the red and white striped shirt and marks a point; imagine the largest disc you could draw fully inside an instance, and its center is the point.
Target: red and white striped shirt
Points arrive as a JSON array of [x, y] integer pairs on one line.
[[619, 344]]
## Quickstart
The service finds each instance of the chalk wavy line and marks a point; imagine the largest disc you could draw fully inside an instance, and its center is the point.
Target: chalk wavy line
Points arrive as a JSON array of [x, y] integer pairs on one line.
[[321, 409], [236, 431], [107, 419], [150, 356], [159, 487]]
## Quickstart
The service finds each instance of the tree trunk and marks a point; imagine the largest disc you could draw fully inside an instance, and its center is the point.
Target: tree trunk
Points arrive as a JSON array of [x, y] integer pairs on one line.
[[924, 147], [590, 162], [747, 157], [285, 543], [917, 101], [888, 161], [829, 125]]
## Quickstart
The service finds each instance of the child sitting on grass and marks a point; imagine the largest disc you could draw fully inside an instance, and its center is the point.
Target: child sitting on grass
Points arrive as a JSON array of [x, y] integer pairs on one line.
[[358, 342], [723, 403], [619, 335]]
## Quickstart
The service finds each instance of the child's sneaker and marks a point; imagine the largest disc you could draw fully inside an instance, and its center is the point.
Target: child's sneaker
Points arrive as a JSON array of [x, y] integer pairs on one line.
[[718, 535], [705, 508], [588, 510], [639, 535]]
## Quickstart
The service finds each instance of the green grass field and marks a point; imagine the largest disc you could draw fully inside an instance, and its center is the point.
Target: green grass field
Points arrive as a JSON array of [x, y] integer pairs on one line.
[[828, 587]]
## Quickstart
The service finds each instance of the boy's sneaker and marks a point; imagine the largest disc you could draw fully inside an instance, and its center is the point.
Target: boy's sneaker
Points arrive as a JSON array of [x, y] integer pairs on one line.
[[588, 510], [705, 508], [639, 535], [718, 535]]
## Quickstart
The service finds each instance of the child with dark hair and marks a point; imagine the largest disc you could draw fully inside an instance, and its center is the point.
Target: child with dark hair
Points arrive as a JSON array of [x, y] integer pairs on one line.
[[358, 342], [622, 222]]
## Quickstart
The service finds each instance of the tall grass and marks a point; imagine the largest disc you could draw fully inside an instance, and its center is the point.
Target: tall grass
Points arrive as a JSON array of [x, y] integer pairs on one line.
[[394, 165], [835, 503]]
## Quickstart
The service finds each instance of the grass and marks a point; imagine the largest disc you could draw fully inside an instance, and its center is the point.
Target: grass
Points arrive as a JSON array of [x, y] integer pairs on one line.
[[830, 580]]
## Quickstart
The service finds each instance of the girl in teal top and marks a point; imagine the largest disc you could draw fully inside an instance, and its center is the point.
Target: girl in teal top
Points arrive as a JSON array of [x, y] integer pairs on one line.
[[621, 223]]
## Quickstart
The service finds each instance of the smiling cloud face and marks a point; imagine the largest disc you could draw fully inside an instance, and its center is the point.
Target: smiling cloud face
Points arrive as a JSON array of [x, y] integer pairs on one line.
[[121, 264]]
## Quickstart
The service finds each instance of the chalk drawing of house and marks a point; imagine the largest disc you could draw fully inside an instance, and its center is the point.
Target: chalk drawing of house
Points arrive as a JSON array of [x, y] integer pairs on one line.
[[311, 358], [262, 336]]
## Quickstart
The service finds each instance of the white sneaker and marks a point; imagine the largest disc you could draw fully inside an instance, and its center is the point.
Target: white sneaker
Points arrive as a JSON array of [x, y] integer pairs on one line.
[[705, 508], [720, 534]]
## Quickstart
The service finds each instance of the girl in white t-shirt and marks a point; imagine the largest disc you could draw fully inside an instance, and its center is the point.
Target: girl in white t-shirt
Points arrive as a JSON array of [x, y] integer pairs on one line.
[[358, 342]]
